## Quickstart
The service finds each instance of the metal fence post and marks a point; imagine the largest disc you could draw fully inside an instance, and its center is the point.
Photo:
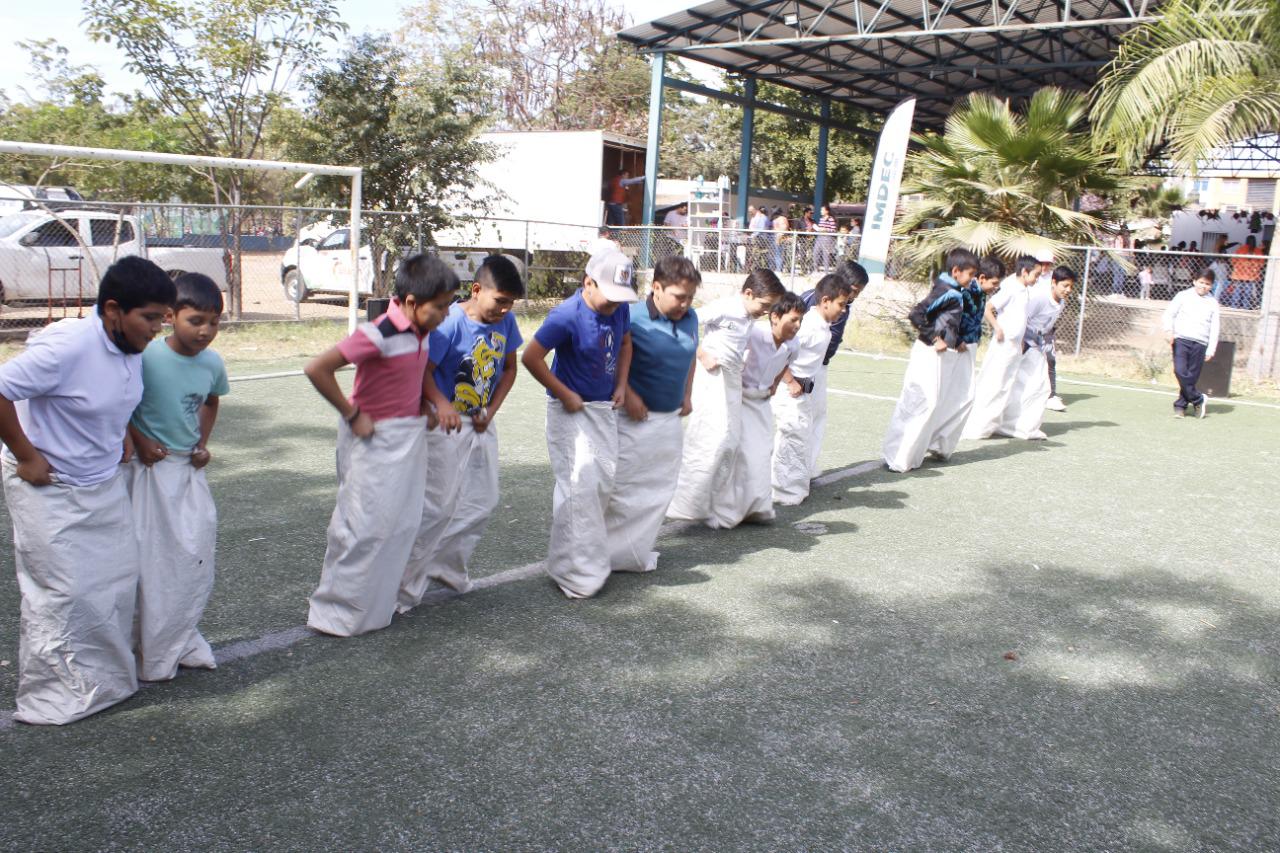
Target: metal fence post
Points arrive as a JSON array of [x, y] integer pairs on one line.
[[794, 239], [1084, 298]]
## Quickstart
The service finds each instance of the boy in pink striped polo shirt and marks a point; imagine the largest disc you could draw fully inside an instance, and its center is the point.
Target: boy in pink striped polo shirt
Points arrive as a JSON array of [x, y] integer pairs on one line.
[[382, 451]]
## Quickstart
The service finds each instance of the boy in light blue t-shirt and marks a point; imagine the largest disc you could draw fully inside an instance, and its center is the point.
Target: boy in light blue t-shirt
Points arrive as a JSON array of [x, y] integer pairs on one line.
[[590, 334], [471, 368], [175, 520]]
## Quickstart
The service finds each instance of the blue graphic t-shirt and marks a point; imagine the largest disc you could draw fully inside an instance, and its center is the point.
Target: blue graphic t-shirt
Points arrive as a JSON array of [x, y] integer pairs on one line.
[[586, 345], [174, 387], [469, 357]]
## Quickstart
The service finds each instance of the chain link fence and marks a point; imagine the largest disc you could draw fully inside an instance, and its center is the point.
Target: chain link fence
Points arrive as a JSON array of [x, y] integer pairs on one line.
[[282, 263]]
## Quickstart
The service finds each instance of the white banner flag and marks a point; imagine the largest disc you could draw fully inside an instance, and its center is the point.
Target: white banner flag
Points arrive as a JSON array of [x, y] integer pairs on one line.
[[882, 198]]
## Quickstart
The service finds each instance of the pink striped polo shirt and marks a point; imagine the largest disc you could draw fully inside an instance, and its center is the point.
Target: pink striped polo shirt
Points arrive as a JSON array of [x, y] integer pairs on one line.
[[391, 359]]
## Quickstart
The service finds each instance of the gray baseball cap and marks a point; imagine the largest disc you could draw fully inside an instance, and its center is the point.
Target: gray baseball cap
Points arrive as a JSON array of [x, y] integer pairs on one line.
[[614, 274]]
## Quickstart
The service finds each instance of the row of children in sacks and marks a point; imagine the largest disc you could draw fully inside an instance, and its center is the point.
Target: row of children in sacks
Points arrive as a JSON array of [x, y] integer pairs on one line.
[[941, 400]]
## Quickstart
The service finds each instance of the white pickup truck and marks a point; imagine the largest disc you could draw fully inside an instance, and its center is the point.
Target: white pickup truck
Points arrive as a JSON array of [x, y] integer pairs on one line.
[[312, 268], [61, 258]]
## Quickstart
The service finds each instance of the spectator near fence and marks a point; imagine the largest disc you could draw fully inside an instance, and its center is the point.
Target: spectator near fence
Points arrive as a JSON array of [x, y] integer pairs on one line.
[[824, 244], [616, 197], [1247, 263]]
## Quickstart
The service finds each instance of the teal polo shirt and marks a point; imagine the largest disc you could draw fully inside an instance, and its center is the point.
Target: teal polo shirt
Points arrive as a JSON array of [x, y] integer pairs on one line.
[[661, 352]]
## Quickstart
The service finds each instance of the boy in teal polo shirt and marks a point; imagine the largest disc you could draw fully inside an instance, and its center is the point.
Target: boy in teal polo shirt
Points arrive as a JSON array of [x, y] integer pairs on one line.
[[175, 520], [664, 341]]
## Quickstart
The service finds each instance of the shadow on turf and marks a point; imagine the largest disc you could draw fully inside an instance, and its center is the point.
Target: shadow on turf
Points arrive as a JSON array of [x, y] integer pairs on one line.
[[998, 706]]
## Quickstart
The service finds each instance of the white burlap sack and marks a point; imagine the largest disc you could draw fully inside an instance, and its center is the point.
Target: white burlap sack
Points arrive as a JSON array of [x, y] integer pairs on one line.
[[176, 524], [749, 494], [911, 425], [818, 411], [711, 440], [995, 382], [648, 465], [461, 494], [77, 566], [583, 447], [794, 421], [372, 529], [955, 400], [1027, 399]]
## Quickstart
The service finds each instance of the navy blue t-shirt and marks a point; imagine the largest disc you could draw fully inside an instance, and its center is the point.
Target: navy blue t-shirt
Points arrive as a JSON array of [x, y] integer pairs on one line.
[[586, 346], [661, 352]]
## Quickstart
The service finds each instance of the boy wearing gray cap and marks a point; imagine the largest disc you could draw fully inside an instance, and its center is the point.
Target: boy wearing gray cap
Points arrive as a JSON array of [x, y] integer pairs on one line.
[[586, 385]]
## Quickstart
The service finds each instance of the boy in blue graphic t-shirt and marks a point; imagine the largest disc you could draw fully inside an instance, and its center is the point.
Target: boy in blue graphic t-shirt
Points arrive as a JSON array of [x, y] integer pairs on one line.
[[471, 368], [587, 383], [175, 520]]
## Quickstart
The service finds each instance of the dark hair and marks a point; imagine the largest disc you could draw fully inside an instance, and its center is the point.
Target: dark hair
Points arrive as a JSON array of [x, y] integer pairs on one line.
[[763, 282], [132, 282], [787, 303], [831, 286], [854, 273], [197, 290], [604, 229], [1207, 273], [1026, 263], [1251, 240], [676, 268], [499, 272], [961, 259], [991, 267], [1064, 274], [424, 277]]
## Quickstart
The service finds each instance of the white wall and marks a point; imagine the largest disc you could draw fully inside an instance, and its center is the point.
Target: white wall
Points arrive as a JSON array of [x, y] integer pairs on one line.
[[1187, 226], [552, 176]]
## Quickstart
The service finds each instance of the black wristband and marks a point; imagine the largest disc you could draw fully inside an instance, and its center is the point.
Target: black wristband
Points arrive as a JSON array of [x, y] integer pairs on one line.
[[353, 417]]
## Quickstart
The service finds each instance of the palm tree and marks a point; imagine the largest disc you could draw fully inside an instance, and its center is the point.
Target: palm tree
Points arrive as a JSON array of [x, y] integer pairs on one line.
[[1205, 75], [1003, 182]]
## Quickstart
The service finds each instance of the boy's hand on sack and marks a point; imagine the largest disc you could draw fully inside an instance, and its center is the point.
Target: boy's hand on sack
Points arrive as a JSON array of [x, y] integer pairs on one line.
[[450, 420], [708, 361], [149, 452], [362, 426], [961, 347], [635, 407], [35, 470], [940, 345], [572, 402], [200, 457], [999, 333], [795, 388], [686, 406], [619, 397], [480, 420]]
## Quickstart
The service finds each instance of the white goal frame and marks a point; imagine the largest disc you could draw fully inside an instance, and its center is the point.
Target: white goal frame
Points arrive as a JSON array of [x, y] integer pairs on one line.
[[355, 173]]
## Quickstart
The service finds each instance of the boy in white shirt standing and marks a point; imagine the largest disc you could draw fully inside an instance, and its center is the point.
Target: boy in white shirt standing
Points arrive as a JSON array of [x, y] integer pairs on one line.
[[714, 430], [1192, 321], [1006, 314], [1032, 388], [76, 385], [771, 347], [793, 404]]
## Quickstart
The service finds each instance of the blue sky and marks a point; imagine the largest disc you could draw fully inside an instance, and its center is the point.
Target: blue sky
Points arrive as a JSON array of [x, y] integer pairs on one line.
[[60, 19]]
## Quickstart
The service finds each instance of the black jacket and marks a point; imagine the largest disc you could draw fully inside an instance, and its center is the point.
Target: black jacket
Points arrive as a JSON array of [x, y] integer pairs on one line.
[[938, 314]]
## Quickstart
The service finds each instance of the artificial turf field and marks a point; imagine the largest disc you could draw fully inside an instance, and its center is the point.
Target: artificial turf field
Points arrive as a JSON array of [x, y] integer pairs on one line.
[[1064, 645]]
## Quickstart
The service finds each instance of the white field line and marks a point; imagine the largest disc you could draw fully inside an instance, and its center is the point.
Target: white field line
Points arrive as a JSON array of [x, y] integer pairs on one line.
[[844, 393], [1061, 378]]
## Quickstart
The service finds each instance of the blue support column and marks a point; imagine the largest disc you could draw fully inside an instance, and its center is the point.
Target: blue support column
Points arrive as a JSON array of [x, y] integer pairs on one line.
[[657, 74], [820, 179], [744, 159]]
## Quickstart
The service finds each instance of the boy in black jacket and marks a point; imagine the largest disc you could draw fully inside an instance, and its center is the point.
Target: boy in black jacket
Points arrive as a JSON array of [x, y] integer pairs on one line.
[[930, 371]]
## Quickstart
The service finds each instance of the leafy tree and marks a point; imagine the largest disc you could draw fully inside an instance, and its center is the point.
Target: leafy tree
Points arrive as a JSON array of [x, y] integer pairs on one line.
[[409, 127], [1003, 182], [221, 67], [1204, 75]]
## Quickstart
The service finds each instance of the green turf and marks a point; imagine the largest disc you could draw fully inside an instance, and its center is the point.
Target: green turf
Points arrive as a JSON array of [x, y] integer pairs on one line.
[[840, 687]]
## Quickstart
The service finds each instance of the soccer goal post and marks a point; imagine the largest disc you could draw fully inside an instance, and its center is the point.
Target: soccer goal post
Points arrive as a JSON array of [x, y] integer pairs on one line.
[[355, 173]]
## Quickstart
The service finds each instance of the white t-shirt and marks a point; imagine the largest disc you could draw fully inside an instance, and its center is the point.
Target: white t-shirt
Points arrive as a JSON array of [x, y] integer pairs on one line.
[[1010, 305], [725, 326], [1195, 318], [1042, 310], [811, 344], [764, 360], [75, 391]]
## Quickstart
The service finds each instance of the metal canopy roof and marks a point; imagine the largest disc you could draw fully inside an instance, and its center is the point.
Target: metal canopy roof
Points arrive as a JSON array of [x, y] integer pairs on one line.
[[874, 53]]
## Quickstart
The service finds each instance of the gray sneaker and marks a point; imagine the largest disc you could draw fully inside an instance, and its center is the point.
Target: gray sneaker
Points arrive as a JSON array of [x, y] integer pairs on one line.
[[1204, 405]]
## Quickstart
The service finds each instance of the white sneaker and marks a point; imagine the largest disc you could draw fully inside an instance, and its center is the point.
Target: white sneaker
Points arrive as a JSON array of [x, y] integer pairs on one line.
[[1055, 404], [1204, 405]]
